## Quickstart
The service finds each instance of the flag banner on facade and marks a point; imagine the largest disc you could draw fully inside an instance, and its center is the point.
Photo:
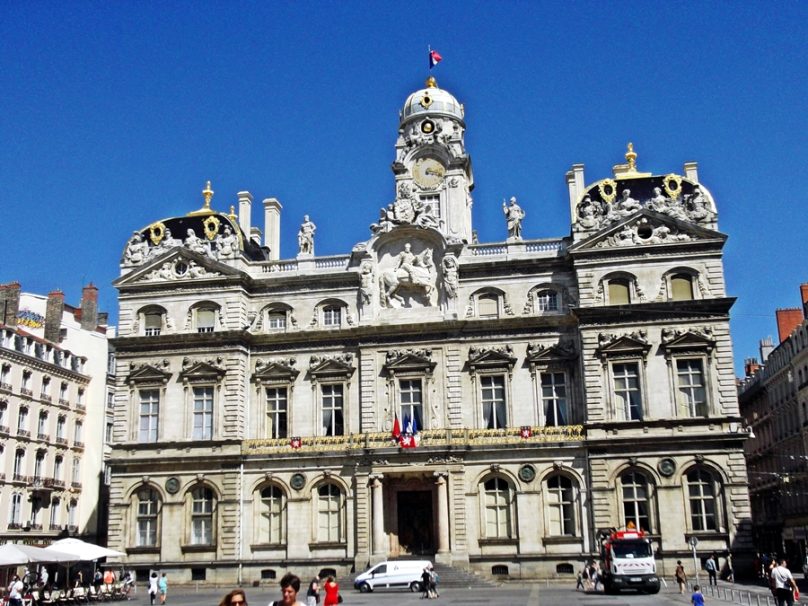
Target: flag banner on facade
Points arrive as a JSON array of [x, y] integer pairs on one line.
[[434, 58], [296, 442], [396, 434], [525, 431], [407, 441]]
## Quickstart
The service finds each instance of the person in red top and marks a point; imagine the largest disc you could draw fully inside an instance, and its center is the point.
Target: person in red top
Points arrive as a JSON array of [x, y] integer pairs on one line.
[[331, 592]]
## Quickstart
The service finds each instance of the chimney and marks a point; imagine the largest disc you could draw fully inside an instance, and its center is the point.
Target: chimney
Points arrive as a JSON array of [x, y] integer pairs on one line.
[[766, 348], [245, 211], [692, 171], [787, 320], [804, 295], [750, 366], [9, 303], [53, 315], [89, 307], [272, 227]]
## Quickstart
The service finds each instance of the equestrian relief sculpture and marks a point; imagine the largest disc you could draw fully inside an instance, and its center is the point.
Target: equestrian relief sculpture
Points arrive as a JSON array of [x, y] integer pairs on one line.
[[412, 272]]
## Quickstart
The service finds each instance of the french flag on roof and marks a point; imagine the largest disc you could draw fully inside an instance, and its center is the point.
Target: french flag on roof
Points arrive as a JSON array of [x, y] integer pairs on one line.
[[434, 58]]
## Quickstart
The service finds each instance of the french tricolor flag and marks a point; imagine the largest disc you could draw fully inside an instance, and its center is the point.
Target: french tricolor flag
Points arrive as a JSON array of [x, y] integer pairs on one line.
[[434, 58]]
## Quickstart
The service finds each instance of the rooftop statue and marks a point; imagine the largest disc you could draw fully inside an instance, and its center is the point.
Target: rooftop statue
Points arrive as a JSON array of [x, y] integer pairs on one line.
[[514, 216], [305, 237]]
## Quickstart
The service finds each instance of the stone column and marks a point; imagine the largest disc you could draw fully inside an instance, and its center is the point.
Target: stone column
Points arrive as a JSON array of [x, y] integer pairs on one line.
[[378, 515], [443, 511]]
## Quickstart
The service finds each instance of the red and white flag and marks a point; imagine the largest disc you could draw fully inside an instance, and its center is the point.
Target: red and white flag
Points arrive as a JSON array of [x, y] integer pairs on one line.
[[407, 441], [434, 58], [396, 435], [525, 432], [295, 442]]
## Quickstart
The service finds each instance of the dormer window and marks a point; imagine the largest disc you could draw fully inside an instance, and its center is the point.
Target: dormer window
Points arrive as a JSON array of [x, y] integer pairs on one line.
[[332, 316], [619, 291], [681, 287], [488, 305], [547, 301], [276, 320]]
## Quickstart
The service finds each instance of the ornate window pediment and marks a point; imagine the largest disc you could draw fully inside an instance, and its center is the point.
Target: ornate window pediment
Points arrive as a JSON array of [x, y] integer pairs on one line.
[[409, 361], [684, 341], [495, 358], [208, 370], [629, 345], [325, 367], [149, 373], [563, 351], [278, 370]]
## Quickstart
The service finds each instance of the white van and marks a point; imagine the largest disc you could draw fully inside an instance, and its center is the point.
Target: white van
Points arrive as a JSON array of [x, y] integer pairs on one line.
[[392, 574]]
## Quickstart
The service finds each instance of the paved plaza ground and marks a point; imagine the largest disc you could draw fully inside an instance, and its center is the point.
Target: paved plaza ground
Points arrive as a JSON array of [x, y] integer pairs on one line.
[[511, 594]]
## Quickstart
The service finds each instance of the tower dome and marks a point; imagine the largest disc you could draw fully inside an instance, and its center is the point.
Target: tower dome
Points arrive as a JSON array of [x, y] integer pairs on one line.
[[431, 101]]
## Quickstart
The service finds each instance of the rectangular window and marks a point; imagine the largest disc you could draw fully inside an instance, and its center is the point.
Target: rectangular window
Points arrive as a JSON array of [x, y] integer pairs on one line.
[[431, 204], [205, 320], [76, 471], [332, 410], [203, 413], [149, 415], [619, 292], [276, 321], [54, 514], [60, 429], [412, 403], [153, 324], [277, 406], [554, 398], [42, 427], [202, 517], [63, 392], [628, 397], [108, 433], [692, 392], [16, 509], [46, 387], [332, 316], [493, 399], [22, 420]]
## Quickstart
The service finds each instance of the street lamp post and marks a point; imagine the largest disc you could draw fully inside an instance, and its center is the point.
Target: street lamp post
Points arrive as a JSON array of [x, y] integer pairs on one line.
[[693, 542]]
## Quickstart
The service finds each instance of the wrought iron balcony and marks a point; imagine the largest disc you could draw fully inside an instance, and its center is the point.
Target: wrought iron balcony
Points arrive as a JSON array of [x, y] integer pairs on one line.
[[26, 392], [78, 445], [64, 402], [24, 433], [4, 429], [80, 406], [45, 397], [42, 436], [58, 483], [18, 477], [61, 440], [5, 387], [75, 485]]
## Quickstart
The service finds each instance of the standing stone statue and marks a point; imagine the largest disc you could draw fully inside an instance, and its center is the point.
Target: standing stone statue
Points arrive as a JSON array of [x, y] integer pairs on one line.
[[305, 237], [514, 215]]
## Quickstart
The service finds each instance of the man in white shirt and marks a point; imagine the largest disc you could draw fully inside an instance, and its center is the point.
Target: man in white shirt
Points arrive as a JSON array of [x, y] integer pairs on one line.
[[15, 592], [784, 585]]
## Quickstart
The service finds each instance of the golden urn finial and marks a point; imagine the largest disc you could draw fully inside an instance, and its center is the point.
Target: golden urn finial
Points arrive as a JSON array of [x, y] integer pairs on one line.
[[208, 194], [631, 157], [431, 82], [233, 212]]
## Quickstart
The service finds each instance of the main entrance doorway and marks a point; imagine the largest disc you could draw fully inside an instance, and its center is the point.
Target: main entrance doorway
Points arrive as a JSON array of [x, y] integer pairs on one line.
[[416, 522]]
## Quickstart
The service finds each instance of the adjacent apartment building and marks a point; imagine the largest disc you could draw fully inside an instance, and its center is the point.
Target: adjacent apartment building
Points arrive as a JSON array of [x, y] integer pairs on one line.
[[774, 402], [491, 405], [53, 414]]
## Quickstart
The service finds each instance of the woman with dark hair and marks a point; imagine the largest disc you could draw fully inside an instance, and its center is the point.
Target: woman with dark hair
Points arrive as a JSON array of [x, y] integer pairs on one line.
[[331, 592], [237, 597]]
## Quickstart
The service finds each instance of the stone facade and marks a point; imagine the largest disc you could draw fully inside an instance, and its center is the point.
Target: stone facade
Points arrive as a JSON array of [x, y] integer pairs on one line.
[[53, 394], [555, 387]]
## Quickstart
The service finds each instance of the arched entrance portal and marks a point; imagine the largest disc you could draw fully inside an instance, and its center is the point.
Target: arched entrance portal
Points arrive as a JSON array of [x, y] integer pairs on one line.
[[416, 534]]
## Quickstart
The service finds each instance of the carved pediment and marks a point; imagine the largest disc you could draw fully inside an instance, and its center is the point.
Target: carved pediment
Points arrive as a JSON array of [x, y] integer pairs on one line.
[[481, 358], [331, 366], [177, 265], [149, 373], [275, 370], [409, 360], [628, 344], [687, 340], [563, 351], [209, 370], [646, 228]]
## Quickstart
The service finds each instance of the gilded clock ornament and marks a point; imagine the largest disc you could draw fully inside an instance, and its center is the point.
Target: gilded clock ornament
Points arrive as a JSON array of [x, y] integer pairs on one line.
[[427, 127], [428, 173]]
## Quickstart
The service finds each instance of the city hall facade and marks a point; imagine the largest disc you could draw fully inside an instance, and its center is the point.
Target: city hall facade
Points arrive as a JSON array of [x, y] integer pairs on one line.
[[542, 389]]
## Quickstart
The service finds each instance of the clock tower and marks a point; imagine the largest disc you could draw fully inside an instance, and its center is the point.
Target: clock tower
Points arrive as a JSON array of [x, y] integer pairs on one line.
[[431, 164]]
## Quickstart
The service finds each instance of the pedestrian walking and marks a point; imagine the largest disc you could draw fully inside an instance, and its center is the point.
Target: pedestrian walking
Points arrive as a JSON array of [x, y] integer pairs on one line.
[[785, 587], [290, 586], [237, 597], [163, 586], [697, 599], [331, 592], [681, 576], [579, 581], [313, 593], [153, 589], [711, 566]]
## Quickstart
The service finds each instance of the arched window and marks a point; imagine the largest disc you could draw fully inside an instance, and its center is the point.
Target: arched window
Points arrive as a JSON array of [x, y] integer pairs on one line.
[[703, 500], [561, 505], [488, 305], [148, 511], [636, 496], [330, 515], [202, 502], [272, 516], [681, 287], [547, 301], [619, 291], [15, 514], [497, 504], [153, 322]]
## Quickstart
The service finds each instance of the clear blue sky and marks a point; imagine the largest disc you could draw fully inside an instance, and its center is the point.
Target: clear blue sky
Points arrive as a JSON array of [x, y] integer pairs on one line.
[[113, 115]]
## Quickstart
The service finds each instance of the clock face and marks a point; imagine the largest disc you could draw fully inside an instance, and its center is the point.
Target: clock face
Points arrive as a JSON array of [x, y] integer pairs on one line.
[[428, 172]]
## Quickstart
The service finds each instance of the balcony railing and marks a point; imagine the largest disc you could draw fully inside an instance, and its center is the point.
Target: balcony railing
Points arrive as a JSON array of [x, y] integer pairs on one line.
[[509, 436], [18, 477], [2, 476], [14, 526], [24, 433], [58, 483], [26, 392], [61, 440], [53, 526], [36, 526], [76, 485], [80, 406], [5, 386], [5, 429], [42, 436], [45, 397], [79, 445], [64, 402]]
